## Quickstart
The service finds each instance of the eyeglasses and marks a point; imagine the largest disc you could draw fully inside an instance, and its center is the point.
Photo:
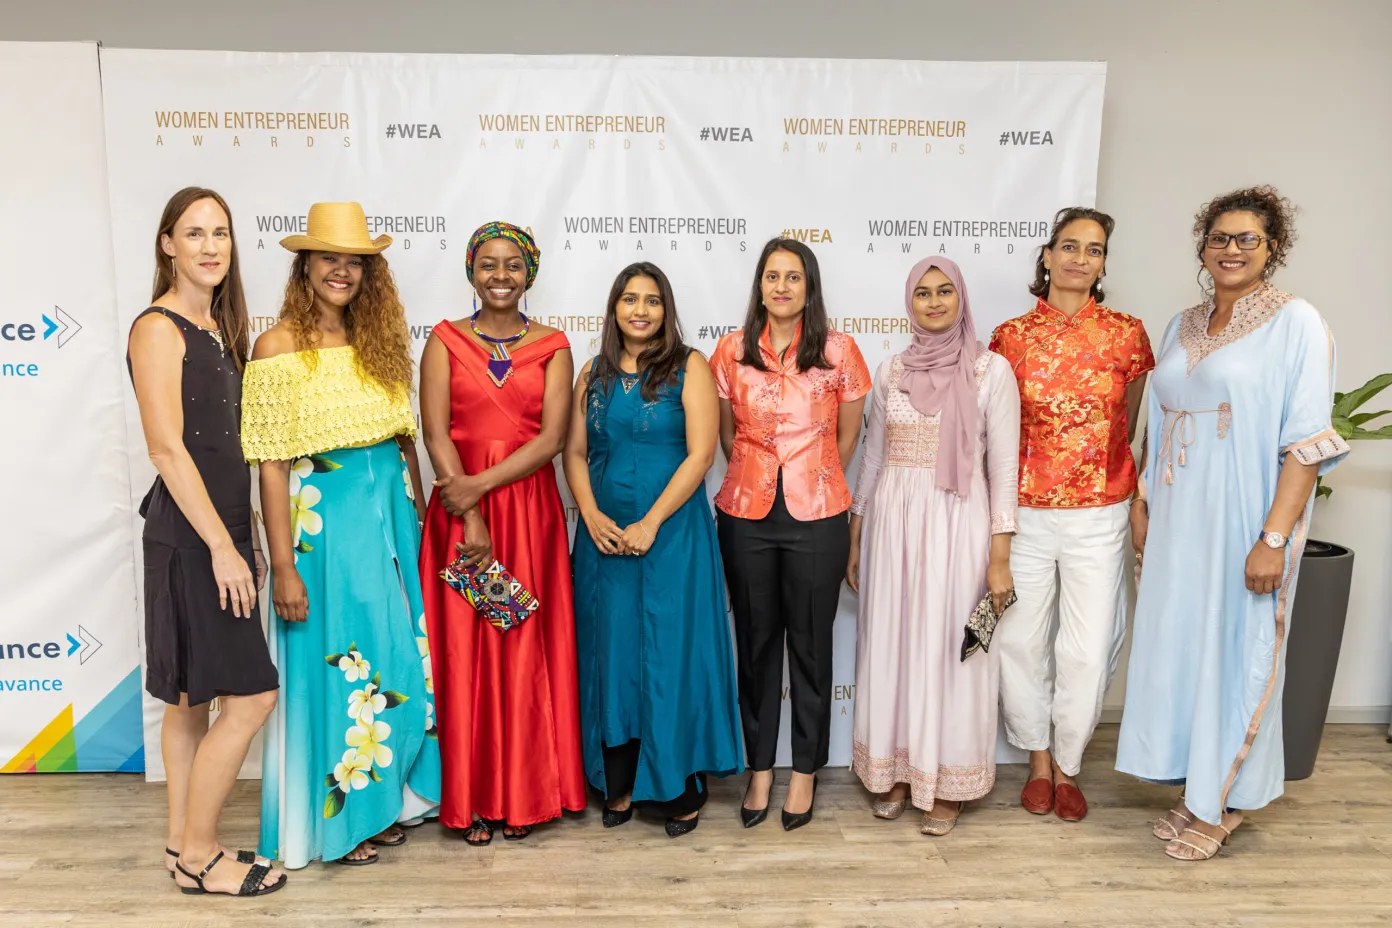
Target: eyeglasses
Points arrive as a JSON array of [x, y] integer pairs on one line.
[[1246, 241]]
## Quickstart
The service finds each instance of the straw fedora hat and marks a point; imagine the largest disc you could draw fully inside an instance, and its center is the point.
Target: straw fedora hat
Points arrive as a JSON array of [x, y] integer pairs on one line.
[[337, 227]]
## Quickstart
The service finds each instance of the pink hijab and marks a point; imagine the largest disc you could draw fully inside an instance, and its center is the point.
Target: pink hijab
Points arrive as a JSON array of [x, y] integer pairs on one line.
[[939, 376]]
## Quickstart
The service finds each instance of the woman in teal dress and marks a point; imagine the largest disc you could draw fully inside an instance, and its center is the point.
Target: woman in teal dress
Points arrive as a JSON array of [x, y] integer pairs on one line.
[[658, 703], [326, 413]]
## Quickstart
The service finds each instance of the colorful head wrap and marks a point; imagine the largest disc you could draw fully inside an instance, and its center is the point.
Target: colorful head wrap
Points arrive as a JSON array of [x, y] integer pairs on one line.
[[519, 237]]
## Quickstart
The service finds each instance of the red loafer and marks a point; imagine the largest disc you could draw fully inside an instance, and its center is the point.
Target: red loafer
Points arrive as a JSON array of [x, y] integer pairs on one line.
[[1071, 805], [1038, 796]]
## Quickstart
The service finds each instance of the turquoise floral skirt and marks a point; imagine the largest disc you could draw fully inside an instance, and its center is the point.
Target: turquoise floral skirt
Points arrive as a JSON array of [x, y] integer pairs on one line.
[[351, 746]]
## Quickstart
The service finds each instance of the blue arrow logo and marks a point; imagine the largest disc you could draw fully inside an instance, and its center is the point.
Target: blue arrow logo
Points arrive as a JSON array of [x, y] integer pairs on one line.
[[73, 645], [49, 328]]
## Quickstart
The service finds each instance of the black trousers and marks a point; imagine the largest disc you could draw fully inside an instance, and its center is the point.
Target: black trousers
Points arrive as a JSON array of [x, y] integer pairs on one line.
[[784, 578], [620, 769]]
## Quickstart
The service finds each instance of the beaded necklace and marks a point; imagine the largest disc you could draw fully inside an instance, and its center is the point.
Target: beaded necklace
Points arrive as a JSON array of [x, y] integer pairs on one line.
[[500, 364]]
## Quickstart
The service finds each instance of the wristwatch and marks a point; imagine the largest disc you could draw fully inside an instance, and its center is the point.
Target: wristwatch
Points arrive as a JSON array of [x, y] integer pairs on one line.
[[1273, 539]]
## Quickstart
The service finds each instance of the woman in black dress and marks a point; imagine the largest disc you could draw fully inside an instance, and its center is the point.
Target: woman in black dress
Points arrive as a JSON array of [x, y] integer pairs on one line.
[[203, 635]]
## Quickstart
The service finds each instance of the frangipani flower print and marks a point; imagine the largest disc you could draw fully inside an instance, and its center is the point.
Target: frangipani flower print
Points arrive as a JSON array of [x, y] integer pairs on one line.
[[423, 645], [304, 497], [365, 704], [367, 736], [351, 771], [301, 469], [368, 739], [410, 490], [303, 519], [355, 667]]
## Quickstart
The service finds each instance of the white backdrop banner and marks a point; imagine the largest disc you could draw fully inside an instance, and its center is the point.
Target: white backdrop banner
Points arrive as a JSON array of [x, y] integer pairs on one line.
[[690, 163], [69, 665]]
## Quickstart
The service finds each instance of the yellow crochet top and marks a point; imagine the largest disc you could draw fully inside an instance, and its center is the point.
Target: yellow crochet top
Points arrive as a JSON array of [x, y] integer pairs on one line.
[[289, 411]]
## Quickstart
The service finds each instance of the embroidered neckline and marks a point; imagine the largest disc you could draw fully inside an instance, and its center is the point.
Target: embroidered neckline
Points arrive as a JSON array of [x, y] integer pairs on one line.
[[1249, 314]]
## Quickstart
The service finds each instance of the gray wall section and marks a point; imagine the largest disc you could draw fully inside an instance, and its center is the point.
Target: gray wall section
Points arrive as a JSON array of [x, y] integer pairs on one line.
[[1202, 95]]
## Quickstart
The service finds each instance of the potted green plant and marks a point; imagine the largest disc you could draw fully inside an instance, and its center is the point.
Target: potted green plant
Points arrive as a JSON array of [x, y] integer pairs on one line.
[[1321, 603]]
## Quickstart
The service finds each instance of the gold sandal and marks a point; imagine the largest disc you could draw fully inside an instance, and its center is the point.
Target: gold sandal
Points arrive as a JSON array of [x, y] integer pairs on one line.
[[1165, 829], [937, 827], [1211, 845], [884, 808]]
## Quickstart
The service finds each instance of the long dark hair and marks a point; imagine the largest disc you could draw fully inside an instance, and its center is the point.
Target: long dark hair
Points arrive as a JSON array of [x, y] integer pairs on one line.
[[1040, 287], [812, 349], [664, 354], [229, 300]]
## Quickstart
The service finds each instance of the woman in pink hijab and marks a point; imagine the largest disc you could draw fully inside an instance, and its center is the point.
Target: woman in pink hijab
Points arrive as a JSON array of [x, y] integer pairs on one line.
[[931, 523]]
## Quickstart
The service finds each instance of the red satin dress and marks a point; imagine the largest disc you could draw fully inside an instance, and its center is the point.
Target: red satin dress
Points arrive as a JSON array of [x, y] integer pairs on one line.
[[507, 704]]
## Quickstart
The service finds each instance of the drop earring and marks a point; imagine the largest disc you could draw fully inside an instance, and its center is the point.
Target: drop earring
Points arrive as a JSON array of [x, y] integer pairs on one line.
[[526, 311], [475, 302]]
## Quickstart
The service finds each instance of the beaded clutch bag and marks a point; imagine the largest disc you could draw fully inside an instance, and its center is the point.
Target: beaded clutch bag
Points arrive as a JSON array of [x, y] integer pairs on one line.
[[496, 595], [981, 625]]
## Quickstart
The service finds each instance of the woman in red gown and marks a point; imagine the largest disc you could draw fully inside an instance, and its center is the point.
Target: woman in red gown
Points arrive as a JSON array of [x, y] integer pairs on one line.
[[495, 407]]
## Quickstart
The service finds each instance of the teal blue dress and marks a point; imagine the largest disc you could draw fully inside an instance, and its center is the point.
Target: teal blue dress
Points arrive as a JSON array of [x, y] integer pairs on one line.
[[653, 636], [351, 746]]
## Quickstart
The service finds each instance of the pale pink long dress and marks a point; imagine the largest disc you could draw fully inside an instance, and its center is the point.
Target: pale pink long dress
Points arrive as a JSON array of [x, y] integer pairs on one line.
[[922, 716]]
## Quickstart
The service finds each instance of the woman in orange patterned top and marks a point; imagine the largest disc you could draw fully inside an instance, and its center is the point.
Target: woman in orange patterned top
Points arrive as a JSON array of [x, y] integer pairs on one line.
[[1081, 369], [791, 394]]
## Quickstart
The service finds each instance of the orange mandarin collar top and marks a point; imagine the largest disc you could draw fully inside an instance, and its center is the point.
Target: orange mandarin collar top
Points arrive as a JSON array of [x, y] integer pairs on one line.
[[786, 419], [1073, 375]]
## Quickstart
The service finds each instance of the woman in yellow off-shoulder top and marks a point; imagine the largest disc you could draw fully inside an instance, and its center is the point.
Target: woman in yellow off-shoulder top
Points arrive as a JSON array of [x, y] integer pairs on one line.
[[350, 751]]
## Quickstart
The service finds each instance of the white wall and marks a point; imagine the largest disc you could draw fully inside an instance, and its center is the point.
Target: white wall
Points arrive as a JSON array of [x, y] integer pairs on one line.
[[1202, 96]]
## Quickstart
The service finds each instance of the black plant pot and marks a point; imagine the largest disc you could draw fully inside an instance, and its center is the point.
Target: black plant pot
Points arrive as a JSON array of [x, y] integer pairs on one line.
[[1316, 623]]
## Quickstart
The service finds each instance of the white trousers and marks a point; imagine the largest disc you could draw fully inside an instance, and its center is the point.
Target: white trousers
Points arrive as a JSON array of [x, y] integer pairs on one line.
[[1059, 644]]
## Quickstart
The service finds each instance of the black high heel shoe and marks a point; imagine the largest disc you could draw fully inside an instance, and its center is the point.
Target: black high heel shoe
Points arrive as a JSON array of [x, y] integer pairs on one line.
[[613, 818], [791, 821], [676, 827], [751, 817]]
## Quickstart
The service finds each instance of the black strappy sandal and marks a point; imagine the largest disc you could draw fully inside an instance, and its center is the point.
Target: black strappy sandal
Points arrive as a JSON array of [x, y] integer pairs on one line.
[[397, 843], [243, 857], [251, 883], [525, 831], [479, 824], [350, 862]]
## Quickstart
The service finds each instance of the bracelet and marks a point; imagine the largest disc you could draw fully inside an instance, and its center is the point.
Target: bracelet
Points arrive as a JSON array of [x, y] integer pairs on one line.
[[646, 532]]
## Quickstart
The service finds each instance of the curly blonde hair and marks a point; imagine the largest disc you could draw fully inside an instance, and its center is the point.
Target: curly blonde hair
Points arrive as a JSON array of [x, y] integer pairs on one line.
[[375, 320]]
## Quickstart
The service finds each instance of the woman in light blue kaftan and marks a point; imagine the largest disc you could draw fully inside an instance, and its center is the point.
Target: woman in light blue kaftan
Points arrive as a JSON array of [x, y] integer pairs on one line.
[[1203, 693]]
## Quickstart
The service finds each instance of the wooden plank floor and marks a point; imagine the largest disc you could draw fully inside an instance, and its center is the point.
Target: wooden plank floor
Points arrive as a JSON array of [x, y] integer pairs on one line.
[[85, 850]]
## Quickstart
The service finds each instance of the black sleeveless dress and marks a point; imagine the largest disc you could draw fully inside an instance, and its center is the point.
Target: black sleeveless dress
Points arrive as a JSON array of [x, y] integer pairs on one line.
[[191, 645]]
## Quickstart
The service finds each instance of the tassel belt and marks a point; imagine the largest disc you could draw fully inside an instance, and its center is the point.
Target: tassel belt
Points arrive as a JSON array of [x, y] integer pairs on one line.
[[1181, 428]]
